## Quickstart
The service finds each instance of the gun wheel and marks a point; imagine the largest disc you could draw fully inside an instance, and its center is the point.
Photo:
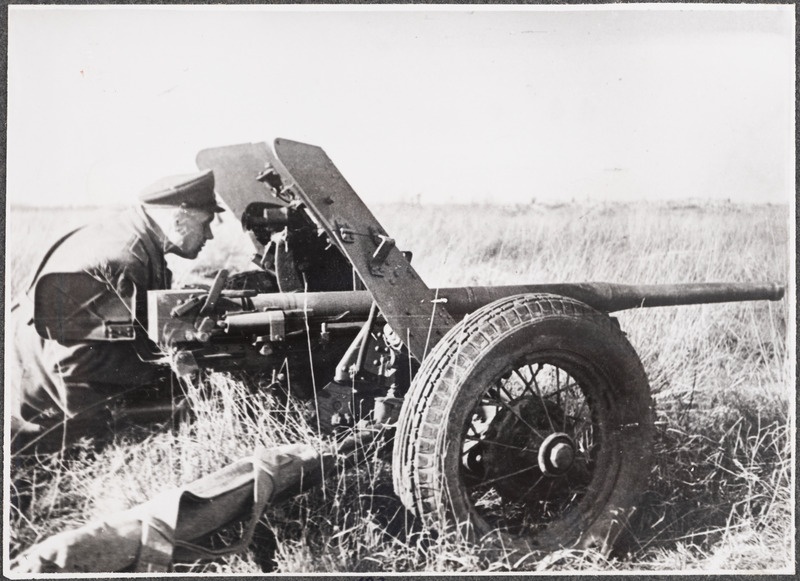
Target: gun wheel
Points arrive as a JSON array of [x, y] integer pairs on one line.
[[527, 427]]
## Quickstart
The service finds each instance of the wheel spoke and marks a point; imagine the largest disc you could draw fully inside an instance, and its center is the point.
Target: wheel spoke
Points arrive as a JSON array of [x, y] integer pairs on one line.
[[539, 392], [532, 486], [513, 412], [525, 382], [549, 490], [495, 443], [550, 394], [575, 418], [499, 385], [476, 435], [558, 388], [509, 475], [533, 378]]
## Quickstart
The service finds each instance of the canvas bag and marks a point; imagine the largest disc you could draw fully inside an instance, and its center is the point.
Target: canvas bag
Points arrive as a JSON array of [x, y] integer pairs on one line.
[[168, 528]]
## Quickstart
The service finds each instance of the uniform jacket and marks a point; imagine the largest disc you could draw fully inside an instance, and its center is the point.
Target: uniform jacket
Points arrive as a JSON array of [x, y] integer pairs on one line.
[[51, 379]]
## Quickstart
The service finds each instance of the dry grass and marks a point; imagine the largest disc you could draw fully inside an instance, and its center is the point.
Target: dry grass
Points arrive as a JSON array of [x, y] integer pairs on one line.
[[720, 494]]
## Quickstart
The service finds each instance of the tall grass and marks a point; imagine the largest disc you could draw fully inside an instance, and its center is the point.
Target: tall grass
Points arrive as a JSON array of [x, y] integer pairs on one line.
[[720, 493]]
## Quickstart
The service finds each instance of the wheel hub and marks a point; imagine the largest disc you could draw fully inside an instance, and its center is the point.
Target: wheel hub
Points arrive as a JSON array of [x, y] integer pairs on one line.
[[520, 447], [556, 454]]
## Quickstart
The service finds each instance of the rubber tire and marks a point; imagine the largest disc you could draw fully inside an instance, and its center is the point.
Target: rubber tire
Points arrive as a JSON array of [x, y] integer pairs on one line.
[[428, 440]]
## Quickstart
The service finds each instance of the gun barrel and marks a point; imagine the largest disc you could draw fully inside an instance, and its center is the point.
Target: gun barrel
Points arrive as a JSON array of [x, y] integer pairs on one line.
[[608, 297], [354, 305], [630, 297]]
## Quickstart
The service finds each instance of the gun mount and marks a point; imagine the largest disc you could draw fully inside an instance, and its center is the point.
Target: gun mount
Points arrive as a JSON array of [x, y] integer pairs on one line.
[[528, 394]]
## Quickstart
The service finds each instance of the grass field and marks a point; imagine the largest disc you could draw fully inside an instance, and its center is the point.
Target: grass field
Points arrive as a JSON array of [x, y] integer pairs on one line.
[[720, 495]]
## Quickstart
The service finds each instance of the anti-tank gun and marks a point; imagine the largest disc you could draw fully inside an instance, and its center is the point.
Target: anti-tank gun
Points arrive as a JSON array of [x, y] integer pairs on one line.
[[522, 414]]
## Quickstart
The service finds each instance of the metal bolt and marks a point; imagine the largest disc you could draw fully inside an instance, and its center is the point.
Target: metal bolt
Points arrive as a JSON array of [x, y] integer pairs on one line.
[[561, 456]]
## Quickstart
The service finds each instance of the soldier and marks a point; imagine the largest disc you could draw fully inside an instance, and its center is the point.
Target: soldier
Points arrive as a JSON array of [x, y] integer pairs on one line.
[[60, 391]]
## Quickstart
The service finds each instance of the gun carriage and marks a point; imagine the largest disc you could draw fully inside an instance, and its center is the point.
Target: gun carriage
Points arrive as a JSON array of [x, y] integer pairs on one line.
[[520, 414]]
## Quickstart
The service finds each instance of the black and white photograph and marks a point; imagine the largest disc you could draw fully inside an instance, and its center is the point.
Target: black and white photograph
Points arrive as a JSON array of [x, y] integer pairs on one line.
[[399, 289]]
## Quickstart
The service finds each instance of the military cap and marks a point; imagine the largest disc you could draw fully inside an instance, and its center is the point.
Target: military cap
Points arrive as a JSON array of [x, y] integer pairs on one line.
[[194, 190]]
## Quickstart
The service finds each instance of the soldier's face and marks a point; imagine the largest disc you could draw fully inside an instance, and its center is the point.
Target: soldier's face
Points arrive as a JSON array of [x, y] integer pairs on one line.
[[192, 230]]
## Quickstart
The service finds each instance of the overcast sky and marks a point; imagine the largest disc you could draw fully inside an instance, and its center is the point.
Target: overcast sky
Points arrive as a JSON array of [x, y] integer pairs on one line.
[[445, 104]]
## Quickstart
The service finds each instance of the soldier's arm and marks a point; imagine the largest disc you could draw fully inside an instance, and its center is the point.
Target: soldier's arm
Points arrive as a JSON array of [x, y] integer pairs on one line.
[[128, 273]]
